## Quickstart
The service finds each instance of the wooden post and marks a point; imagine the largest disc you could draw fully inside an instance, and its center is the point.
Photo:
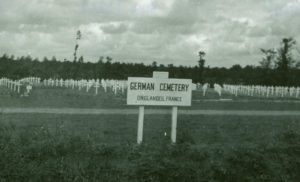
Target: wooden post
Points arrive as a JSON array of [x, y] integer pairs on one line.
[[140, 125], [174, 124]]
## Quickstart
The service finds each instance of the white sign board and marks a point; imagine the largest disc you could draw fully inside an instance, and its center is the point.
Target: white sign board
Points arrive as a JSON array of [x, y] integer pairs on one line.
[[159, 91], [160, 74]]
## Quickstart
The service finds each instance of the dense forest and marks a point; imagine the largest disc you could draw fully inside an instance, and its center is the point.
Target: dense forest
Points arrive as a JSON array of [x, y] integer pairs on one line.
[[274, 69], [105, 68]]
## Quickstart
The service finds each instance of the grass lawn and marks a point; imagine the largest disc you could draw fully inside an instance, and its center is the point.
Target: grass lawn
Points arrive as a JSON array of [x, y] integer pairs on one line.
[[44, 147], [121, 129], [49, 147]]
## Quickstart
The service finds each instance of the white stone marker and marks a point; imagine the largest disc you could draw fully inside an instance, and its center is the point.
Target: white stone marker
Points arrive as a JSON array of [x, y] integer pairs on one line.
[[87, 86], [28, 89], [97, 85], [204, 88], [19, 85], [159, 91]]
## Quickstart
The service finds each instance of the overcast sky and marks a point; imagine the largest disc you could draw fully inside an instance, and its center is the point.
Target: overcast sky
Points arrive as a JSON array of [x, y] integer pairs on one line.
[[165, 31]]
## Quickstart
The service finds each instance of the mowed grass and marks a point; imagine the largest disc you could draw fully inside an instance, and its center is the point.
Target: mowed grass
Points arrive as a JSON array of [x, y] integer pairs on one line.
[[121, 129], [63, 97], [57, 97], [44, 147]]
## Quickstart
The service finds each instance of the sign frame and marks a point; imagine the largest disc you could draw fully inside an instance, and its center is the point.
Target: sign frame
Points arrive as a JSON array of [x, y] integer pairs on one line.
[[158, 77], [159, 91]]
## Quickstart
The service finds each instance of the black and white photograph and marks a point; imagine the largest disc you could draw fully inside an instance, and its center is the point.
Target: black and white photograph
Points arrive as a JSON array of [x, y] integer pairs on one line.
[[150, 90]]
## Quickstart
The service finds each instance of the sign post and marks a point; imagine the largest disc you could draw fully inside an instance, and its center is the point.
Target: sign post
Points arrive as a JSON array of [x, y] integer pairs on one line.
[[140, 125], [174, 124], [159, 91]]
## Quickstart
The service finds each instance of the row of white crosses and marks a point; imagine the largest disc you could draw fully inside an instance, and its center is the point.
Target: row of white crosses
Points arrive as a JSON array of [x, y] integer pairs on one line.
[[218, 88], [31, 80], [263, 91], [11, 84], [114, 85]]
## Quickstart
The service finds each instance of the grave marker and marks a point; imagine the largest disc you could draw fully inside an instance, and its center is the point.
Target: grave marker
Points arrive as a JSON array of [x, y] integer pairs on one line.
[[97, 85]]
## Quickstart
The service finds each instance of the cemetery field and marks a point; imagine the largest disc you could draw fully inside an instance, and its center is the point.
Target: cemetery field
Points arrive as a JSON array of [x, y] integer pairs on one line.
[[55, 97], [49, 147]]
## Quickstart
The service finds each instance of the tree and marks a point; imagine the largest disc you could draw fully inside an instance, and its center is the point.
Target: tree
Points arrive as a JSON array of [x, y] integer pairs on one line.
[[12, 57], [100, 60], [78, 37], [53, 59], [108, 59], [81, 60], [285, 60], [154, 64], [268, 61], [45, 59], [267, 65], [4, 56], [201, 65]]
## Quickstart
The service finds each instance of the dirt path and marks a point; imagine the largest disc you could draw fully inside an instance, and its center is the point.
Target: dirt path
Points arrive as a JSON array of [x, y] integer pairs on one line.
[[147, 111]]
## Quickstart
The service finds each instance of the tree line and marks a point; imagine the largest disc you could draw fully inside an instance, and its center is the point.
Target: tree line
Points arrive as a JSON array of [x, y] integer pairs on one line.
[[276, 68]]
